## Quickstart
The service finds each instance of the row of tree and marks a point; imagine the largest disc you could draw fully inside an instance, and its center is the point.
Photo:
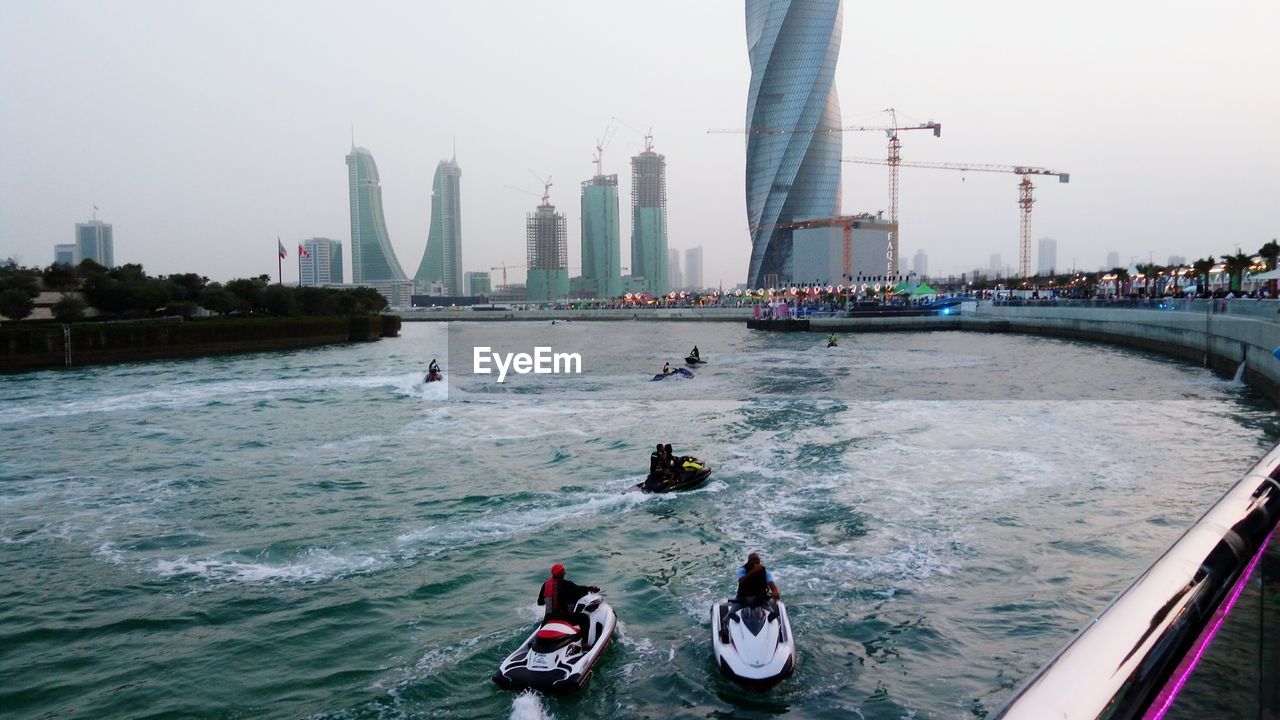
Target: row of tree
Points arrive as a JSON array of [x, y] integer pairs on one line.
[[128, 292]]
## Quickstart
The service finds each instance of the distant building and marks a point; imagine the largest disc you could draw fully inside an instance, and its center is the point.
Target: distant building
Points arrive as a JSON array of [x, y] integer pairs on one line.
[[477, 283], [675, 279], [1177, 260], [791, 176], [399, 293], [94, 242], [1048, 256], [1113, 260], [320, 263], [649, 220], [514, 292], [65, 254], [994, 267], [693, 268], [442, 260], [547, 246], [634, 284], [920, 264], [372, 258], [818, 250], [601, 243]]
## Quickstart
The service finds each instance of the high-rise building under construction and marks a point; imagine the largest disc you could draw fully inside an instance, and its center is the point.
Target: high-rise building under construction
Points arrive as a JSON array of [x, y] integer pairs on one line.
[[601, 247], [791, 175], [442, 261], [649, 219], [372, 258], [547, 244]]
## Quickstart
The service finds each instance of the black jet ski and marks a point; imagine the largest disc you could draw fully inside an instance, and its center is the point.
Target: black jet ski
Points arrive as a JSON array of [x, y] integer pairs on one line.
[[694, 360], [552, 658], [752, 642], [434, 377], [692, 472], [675, 372]]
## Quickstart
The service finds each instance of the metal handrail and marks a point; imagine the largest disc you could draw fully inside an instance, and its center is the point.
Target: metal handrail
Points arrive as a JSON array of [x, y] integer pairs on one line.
[[1130, 660]]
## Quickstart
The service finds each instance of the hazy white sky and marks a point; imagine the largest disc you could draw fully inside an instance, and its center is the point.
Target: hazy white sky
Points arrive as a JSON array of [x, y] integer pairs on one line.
[[202, 130]]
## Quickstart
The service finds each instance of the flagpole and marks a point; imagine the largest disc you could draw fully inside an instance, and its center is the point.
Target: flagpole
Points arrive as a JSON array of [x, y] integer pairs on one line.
[[279, 262]]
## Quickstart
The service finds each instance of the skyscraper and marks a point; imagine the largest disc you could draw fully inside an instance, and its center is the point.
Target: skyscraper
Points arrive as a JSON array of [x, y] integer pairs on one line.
[[794, 175], [649, 219], [547, 243], [1047, 257], [442, 261], [601, 247], [693, 268], [675, 280], [372, 258], [920, 264], [94, 242], [1113, 260], [65, 254], [320, 263]]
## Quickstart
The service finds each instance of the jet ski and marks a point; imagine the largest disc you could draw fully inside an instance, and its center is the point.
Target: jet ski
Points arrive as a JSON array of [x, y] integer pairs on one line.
[[692, 472], [675, 372], [694, 360], [434, 377], [752, 642], [831, 343], [552, 658]]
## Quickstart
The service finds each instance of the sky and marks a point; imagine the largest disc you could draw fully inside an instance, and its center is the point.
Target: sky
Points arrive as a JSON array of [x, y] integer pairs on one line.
[[205, 130]]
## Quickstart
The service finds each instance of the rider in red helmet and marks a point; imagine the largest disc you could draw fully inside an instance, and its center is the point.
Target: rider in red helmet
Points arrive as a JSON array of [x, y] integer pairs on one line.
[[559, 595]]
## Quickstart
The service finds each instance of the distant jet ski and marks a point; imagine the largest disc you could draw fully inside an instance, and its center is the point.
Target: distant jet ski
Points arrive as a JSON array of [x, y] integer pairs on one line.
[[692, 472], [552, 659], [434, 377], [675, 372], [752, 642], [831, 343], [694, 360]]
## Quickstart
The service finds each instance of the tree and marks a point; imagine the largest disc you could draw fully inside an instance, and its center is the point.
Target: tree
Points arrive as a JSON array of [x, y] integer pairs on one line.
[[249, 290], [1122, 276], [1236, 265], [16, 304], [1149, 272], [69, 308], [61, 277], [216, 298], [1202, 268], [280, 300], [1269, 253]]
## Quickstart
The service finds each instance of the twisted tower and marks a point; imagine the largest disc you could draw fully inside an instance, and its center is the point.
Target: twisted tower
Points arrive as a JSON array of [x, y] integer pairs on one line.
[[794, 174]]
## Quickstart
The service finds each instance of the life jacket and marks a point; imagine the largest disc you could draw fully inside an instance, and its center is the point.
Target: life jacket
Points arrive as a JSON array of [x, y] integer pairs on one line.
[[753, 584], [655, 462], [551, 596]]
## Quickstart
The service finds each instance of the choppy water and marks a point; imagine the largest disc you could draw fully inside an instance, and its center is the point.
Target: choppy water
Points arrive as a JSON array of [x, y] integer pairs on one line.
[[315, 534]]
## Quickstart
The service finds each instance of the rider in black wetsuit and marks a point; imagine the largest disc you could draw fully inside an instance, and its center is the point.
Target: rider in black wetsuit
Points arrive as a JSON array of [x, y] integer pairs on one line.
[[694, 353], [559, 595]]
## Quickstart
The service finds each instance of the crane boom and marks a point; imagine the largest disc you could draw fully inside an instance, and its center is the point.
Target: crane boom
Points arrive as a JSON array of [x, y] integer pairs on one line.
[[936, 127], [1026, 197]]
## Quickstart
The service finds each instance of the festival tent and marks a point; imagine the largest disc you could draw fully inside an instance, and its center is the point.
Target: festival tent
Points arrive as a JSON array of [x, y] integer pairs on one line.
[[922, 290]]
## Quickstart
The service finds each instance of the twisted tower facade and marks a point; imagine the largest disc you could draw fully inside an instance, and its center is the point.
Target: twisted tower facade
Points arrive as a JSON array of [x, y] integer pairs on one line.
[[794, 174]]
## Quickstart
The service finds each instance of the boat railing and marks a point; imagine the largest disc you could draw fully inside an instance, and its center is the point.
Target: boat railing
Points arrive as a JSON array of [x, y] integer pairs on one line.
[[1195, 636]]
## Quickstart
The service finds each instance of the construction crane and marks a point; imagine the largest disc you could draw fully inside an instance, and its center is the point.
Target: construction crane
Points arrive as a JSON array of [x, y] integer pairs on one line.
[[1025, 196], [648, 136], [503, 267], [893, 160], [602, 142]]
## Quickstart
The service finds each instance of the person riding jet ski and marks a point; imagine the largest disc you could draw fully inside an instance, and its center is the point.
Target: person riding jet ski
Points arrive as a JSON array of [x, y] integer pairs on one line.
[[694, 353], [559, 595], [755, 583], [433, 372], [831, 341]]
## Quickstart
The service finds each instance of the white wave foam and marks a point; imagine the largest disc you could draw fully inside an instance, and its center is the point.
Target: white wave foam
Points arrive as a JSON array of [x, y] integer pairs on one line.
[[528, 706], [313, 565]]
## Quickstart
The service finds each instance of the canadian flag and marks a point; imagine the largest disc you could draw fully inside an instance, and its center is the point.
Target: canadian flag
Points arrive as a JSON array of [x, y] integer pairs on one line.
[[302, 252]]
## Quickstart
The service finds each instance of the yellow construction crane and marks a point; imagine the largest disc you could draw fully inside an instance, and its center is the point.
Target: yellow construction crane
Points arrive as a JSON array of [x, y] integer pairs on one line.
[[503, 267], [1025, 196]]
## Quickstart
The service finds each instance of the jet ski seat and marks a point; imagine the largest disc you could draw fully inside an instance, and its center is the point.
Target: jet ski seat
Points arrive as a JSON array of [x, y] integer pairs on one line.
[[554, 635]]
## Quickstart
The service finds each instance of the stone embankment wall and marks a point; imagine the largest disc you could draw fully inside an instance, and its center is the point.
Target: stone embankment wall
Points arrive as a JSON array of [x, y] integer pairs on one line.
[[1212, 334], [29, 346]]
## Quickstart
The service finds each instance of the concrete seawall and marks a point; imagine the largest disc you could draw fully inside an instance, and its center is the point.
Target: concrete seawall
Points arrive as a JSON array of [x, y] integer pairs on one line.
[[1202, 334]]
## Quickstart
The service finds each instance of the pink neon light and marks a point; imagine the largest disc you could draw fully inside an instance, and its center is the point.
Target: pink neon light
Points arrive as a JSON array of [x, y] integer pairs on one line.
[[1188, 664]]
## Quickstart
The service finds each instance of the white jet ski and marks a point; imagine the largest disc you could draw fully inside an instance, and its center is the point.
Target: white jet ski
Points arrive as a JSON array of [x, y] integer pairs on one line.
[[552, 659], [752, 642]]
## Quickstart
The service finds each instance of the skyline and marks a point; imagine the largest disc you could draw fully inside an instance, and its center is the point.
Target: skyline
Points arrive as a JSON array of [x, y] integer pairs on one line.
[[201, 151]]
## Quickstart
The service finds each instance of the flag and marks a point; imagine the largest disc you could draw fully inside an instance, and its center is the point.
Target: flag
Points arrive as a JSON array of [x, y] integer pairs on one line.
[[95, 207], [283, 254], [302, 252]]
